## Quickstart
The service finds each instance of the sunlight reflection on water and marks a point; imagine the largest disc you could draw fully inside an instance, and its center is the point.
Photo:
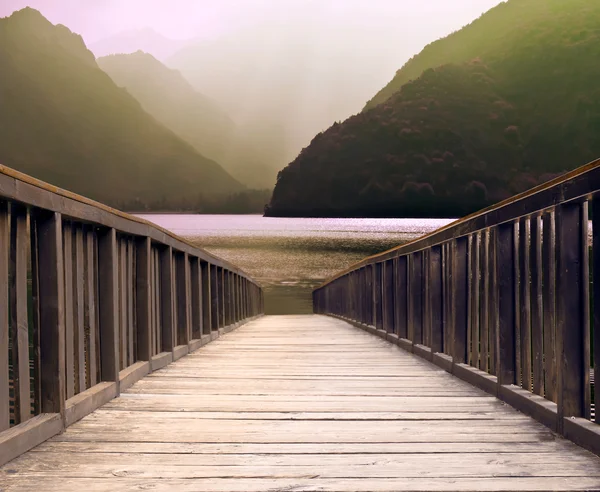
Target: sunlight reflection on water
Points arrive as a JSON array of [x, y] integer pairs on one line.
[[289, 257]]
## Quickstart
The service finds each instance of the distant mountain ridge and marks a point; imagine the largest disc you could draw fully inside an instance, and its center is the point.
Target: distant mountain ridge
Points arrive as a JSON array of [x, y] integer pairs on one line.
[[147, 40], [498, 107], [63, 120], [166, 95]]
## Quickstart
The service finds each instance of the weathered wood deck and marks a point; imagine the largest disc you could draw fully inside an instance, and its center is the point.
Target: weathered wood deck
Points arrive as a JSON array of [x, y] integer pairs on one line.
[[289, 403]]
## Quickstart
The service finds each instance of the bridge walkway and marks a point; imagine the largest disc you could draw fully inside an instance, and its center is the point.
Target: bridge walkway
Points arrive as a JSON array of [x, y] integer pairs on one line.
[[298, 403]]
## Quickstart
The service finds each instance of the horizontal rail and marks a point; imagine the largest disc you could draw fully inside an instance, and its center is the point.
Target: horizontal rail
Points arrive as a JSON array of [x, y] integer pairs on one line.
[[93, 299], [507, 298]]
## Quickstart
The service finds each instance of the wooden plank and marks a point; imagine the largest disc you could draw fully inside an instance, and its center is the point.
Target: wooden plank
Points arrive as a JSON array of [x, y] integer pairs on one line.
[[90, 308], [494, 315], [131, 326], [168, 334], [4, 320], [52, 315], [79, 308], [123, 329], [143, 299], [525, 303], [572, 331], [505, 276], [460, 299], [549, 305], [484, 306], [69, 310], [436, 299], [596, 299], [108, 304], [207, 298], [475, 301], [537, 316], [35, 323], [19, 323]]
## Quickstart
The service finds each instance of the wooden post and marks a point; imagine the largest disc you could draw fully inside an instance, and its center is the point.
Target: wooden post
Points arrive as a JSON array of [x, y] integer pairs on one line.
[[436, 299], [425, 278], [214, 291], [108, 304], [537, 331], [19, 325], [572, 316], [416, 291], [475, 300], [197, 301], [91, 306], [378, 294], [369, 295], [221, 292], [493, 303], [182, 299], [461, 304], [206, 297], [506, 303], [596, 283], [52, 320], [79, 308], [402, 297], [524, 303], [168, 335], [4, 321], [484, 306], [143, 298], [549, 305], [388, 298]]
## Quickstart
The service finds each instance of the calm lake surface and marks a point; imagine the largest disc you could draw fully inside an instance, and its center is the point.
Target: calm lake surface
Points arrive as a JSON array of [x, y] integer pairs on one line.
[[290, 257]]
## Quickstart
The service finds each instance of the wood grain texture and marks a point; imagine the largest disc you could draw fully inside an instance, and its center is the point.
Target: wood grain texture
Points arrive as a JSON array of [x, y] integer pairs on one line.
[[303, 403]]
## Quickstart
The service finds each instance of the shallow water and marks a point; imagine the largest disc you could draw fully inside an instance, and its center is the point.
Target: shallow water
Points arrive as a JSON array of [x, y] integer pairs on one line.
[[290, 257]]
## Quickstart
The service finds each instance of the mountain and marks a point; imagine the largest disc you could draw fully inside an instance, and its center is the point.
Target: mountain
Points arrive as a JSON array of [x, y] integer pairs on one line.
[[461, 135], [167, 96], [63, 120], [282, 84], [147, 40]]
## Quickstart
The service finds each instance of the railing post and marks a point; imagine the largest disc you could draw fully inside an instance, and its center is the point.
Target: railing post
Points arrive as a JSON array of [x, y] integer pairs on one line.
[[183, 299], [108, 304], [402, 314], [214, 297], [461, 302], [4, 381], [436, 299], [505, 268], [596, 284], [524, 304], [572, 327], [52, 317], [143, 298], [206, 298], [416, 294], [197, 298], [168, 335]]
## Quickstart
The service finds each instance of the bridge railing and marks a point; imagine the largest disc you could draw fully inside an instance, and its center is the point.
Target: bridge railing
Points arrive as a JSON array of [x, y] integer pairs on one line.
[[93, 299], [507, 298]]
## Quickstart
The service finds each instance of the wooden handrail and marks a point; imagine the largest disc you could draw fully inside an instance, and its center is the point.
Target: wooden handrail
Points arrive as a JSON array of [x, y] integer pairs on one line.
[[97, 299], [501, 298]]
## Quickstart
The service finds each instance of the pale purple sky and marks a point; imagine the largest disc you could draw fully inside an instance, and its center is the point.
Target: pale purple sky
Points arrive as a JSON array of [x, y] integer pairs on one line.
[[407, 21]]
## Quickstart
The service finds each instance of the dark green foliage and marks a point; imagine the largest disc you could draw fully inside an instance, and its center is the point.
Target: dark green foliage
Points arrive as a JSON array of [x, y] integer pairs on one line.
[[63, 120], [519, 104]]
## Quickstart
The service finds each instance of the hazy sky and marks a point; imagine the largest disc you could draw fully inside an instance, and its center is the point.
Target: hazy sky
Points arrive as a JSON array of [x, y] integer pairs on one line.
[[408, 22]]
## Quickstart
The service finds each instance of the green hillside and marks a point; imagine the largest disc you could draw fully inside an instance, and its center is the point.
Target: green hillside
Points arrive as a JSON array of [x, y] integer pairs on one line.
[[165, 94], [63, 120], [523, 107]]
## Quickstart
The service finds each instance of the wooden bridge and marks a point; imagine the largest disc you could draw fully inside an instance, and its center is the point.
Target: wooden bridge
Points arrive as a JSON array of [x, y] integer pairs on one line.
[[480, 376]]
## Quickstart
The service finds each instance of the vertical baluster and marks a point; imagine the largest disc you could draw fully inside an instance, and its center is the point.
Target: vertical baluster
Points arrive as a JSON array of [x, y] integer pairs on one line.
[[206, 298], [460, 295], [572, 316], [494, 301], [79, 309], [377, 294], [68, 312], [182, 300], [221, 290], [166, 300], [596, 299], [52, 330], [402, 296], [4, 320], [122, 251], [388, 298], [485, 300], [506, 274], [517, 288], [108, 304], [196, 296], [436, 303], [35, 318], [475, 301], [90, 308], [214, 291], [132, 336], [525, 303], [416, 289], [537, 332], [143, 298], [19, 323], [369, 294], [425, 276]]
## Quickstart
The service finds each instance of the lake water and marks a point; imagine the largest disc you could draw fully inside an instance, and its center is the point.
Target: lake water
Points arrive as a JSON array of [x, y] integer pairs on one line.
[[290, 257]]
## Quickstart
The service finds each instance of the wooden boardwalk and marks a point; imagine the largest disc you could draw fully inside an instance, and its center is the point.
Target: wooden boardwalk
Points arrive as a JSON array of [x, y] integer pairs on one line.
[[298, 403]]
